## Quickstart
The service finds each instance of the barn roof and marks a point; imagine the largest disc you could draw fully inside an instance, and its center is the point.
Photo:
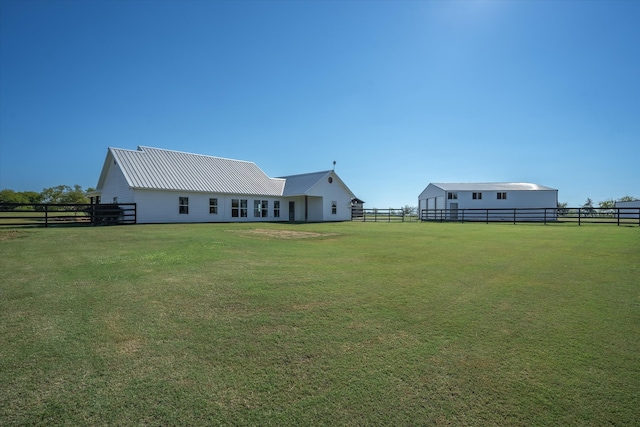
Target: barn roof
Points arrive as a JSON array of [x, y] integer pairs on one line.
[[492, 186], [158, 169]]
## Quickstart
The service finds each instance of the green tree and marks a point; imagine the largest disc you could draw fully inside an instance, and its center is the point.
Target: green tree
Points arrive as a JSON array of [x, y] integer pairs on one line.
[[562, 208], [63, 194], [32, 197], [627, 199], [407, 210], [10, 198], [607, 204], [587, 208], [606, 207]]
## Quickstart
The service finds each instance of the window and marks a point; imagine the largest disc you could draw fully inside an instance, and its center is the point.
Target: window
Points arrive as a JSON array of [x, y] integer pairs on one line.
[[477, 196], [235, 208], [183, 203], [334, 208], [239, 208], [213, 206], [452, 196], [276, 209], [260, 208], [115, 199], [502, 196]]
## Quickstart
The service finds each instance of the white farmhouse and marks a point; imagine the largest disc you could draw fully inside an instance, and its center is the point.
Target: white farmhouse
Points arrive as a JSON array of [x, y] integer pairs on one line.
[[496, 201], [171, 186]]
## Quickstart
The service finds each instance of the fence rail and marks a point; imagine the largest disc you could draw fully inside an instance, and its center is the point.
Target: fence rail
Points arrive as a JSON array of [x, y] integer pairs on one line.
[[383, 215], [54, 214], [618, 216]]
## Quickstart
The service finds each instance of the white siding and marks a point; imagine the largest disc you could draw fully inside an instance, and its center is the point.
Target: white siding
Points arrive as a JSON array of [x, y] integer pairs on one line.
[[629, 209], [156, 179], [515, 199], [518, 196], [330, 192], [314, 205], [115, 186], [163, 207]]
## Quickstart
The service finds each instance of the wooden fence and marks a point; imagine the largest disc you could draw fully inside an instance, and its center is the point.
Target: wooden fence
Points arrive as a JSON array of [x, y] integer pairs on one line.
[[55, 214], [616, 216]]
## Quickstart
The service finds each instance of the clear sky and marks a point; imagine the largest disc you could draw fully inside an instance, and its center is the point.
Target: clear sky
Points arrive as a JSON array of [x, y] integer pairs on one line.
[[398, 93]]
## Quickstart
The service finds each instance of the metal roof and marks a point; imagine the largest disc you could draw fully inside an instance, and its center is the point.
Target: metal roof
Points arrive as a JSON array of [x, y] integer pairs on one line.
[[301, 184], [158, 169], [491, 186]]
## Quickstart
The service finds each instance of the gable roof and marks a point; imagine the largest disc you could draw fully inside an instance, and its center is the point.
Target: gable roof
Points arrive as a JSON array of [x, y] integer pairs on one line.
[[158, 169], [491, 186], [301, 184], [304, 184]]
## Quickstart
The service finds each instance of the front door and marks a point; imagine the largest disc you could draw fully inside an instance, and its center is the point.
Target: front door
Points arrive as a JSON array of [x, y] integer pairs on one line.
[[453, 209], [292, 211]]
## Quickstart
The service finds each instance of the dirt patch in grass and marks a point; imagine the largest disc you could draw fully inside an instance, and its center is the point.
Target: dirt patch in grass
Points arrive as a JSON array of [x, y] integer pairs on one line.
[[9, 234], [283, 234]]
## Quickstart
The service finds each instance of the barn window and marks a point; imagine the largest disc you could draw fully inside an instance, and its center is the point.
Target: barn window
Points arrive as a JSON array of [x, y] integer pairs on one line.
[[477, 196], [265, 208], [276, 209], [452, 196], [256, 209], [213, 206], [243, 208], [183, 203], [502, 195], [334, 208]]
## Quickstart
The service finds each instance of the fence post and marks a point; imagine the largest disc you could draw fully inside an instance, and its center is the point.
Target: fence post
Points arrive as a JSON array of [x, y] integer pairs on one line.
[[514, 216], [487, 216], [579, 213], [618, 216], [46, 215]]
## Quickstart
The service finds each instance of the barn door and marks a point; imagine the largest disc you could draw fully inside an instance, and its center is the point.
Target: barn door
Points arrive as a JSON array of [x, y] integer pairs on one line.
[[292, 211], [453, 209]]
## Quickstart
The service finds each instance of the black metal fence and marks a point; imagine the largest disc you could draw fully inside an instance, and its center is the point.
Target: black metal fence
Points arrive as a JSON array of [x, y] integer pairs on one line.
[[617, 216], [384, 215], [53, 214]]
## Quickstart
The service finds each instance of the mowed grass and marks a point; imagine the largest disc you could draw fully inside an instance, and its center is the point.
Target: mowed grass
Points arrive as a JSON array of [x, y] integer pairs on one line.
[[320, 324]]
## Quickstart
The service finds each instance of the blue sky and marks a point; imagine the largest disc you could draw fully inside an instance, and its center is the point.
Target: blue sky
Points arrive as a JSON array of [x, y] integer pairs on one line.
[[398, 93]]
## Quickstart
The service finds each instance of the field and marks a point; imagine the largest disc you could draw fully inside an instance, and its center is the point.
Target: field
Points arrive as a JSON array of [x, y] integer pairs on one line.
[[320, 324]]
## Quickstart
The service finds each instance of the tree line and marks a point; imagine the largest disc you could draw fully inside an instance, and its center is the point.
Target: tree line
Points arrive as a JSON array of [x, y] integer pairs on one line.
[[61, 194], [588, 208]]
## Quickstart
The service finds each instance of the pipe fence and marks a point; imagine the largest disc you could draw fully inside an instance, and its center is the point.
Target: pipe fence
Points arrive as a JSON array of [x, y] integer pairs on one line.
[[582, 215], [55, 214]]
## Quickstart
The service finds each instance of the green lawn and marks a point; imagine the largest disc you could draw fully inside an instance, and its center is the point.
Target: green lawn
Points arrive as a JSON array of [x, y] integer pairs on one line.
[[320, 324]]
